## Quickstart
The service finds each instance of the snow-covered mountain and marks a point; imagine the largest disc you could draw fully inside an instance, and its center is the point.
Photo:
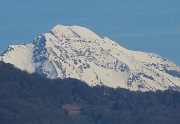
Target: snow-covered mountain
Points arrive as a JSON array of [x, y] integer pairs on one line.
[[76, 52]]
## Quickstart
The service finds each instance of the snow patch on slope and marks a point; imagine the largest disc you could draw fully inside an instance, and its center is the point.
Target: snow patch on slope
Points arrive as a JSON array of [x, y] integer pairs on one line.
[[21, 56]]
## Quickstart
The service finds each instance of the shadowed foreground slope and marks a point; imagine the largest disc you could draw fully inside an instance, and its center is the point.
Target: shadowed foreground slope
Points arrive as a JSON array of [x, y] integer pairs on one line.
[[31, 99]]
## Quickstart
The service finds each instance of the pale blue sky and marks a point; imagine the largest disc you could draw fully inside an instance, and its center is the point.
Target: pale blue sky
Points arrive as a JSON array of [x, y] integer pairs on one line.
[[145, 25]]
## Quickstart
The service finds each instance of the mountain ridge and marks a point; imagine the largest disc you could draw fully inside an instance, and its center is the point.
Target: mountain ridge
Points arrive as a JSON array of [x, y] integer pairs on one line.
[[77, 52]]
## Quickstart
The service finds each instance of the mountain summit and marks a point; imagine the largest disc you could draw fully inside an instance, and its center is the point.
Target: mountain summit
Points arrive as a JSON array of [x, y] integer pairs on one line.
[[77, 52]]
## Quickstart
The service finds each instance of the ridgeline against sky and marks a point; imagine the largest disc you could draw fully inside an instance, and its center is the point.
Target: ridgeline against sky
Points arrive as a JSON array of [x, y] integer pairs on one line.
[[151, 26]]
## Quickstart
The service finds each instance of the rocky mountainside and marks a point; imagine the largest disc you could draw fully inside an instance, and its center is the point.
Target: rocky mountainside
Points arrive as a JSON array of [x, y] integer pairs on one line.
[[77, 52]]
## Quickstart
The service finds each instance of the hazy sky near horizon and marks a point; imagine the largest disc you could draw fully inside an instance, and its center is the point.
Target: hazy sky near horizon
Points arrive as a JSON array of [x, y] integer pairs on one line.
[[143, 25]]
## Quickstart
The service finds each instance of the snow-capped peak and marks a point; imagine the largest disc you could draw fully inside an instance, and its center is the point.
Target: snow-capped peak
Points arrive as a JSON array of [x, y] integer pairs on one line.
[[77, 52], [74, 32]]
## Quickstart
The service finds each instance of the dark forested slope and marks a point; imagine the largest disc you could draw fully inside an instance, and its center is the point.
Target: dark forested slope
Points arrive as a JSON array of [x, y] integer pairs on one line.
[[31, 99]]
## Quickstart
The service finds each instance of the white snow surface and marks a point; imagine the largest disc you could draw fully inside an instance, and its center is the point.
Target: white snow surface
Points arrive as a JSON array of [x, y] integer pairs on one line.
[[77, 52]]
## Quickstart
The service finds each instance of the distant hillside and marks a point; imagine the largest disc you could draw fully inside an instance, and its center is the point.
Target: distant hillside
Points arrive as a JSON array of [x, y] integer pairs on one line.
[[31, 99]]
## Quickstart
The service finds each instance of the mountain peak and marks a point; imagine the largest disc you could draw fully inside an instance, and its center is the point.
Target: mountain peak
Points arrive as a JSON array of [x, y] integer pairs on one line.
[[77, 52], [74, 32]]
